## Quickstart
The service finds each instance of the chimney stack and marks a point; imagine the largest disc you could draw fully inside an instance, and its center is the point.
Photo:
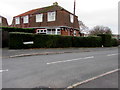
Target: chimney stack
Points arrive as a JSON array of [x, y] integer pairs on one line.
[[55, 3]]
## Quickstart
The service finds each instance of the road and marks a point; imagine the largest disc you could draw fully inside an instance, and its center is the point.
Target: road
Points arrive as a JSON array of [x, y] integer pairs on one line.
[[56, 71]]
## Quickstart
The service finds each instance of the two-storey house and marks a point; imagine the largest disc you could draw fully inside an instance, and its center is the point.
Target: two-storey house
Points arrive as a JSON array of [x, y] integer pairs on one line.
[[49, 20]]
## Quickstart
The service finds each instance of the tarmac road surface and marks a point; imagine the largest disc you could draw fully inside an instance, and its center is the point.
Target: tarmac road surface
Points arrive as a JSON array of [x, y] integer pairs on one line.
[[56, 71]]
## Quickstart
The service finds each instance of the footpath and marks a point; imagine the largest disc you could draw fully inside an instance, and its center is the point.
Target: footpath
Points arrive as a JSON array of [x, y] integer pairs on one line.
[[108, 81], [6, 53], [105, 82]]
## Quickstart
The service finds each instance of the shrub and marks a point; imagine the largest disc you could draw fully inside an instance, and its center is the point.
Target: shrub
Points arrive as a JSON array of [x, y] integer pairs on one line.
[[87, 42], [16, 40], [118, 41], [106, 40], [14, 29], [64, 41], [52, 41], [40, 41], [114, 42]]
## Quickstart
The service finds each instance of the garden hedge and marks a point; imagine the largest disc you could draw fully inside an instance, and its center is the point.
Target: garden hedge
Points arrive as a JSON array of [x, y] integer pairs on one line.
[[87, 42], [106, 40], [40, 41], [14, 29], [114, 42], [16, 40]]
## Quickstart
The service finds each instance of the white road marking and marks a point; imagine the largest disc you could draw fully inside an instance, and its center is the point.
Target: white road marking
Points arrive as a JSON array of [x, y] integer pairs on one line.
[[112, 54], [93, 78], [3, 70], [70, 60]]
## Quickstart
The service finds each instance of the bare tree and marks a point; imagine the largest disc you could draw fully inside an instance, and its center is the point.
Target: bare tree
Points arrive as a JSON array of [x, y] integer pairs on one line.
[[82, 26], [100, 30]]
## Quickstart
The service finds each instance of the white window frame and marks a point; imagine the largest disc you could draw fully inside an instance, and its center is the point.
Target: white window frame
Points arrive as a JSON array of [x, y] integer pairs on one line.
[[71, 18], [17, 20], [39, 17], [44, 31], [26, 19], [58, 32], [51, 16]]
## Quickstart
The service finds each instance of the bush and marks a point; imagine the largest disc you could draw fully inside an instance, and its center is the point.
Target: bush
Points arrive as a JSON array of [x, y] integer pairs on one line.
[[64, 41], [114, 42], [118, 41], [40, 41], [14, 29], [16, 40], [106, 40], [87, 42]]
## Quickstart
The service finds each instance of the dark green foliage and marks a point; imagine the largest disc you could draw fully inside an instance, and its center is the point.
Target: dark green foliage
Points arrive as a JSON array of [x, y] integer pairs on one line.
[[6, 30], [13, 29], [106, 40], [118, 41], [16, 40], [52, 41], [87, 42], [64, 41], [40, 41], [114, 42]]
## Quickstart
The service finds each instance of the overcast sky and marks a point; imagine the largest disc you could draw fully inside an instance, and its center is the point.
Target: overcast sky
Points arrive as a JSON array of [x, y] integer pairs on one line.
[[91, 12]]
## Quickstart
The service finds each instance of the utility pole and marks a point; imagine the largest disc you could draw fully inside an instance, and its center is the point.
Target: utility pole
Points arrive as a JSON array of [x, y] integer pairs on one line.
[[74, 16], [74, 6]]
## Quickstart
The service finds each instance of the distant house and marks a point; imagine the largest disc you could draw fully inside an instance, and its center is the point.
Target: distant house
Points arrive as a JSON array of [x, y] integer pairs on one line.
[[116, 36], [49, 20], [3, 22]]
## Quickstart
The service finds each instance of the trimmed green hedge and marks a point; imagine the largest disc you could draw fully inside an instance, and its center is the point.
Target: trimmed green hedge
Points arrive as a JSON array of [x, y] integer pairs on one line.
[[115, 42], [14, 29], [106, 40], [40, 41], [87, 42], [51, 41], [16, 40]]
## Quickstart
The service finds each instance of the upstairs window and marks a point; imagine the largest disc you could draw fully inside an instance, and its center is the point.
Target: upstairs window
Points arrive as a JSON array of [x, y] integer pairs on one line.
[[71, 18], [25, 19], [39, 17], [51, 16], [0, 19], [17, 20]]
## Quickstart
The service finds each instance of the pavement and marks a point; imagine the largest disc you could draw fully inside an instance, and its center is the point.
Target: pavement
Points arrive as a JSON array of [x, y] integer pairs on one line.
[[57, 70], [107, 81], [45, 51]]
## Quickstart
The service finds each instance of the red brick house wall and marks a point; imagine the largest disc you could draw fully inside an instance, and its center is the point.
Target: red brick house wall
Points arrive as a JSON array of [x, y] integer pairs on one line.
[[4, 22], [62, 20]]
